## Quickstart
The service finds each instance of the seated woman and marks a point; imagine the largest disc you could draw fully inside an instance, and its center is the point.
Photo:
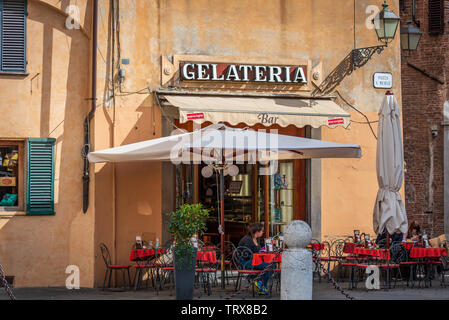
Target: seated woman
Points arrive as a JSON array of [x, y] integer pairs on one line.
[[414, 231], [251, 241]]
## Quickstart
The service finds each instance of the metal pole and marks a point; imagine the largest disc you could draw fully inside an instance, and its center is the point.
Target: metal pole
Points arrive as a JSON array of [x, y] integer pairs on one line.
[[222, 238]]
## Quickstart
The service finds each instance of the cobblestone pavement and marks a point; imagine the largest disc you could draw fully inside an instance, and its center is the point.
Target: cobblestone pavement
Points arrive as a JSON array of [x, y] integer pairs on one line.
[[321, 291]]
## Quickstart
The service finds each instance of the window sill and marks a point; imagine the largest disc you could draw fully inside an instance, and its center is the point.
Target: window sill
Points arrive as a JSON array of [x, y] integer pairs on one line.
[[11, 212], [18, 74]]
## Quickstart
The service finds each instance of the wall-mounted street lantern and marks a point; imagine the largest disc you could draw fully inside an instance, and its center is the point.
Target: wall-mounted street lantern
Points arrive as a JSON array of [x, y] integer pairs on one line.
[[410, 36], [386, 23]]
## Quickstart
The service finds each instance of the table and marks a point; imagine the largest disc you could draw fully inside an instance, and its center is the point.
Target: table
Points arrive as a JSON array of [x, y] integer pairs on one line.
[[380, 253], [409, 245], [349, 247], [417, 253], [267, 257], [206, 256], [145, 254]]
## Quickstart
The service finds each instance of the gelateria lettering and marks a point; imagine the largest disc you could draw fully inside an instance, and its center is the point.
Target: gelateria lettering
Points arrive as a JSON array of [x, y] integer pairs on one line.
[[241, 72]]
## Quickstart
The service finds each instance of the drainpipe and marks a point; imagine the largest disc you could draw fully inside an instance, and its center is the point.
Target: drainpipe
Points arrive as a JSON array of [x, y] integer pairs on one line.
[[86, 147], [417, 23], [446, 166]]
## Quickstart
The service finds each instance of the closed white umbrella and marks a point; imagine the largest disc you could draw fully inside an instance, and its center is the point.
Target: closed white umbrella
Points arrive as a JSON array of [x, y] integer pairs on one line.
[[389, 210]]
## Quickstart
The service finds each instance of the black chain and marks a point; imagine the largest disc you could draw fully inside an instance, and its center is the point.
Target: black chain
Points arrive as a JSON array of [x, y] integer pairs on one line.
[[6, 284], [330, 278], [269, 268]]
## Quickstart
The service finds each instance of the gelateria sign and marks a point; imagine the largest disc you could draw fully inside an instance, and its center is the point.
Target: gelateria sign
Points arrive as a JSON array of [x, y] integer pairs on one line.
[[227, 72]]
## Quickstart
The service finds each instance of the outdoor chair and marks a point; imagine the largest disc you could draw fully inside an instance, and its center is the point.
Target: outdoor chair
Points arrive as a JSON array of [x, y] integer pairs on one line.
[[110, 268], [206, 268], [165, 265], [443, 269], [315, 247], [240, 255], [229, 272]]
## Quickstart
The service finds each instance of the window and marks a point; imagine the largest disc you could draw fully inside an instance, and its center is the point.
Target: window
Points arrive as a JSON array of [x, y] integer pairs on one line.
[[436, 16], [13, 35], [11, 173]]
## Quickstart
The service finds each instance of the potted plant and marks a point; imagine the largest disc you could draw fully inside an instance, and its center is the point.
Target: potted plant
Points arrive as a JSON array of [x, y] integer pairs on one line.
[[184, 223]]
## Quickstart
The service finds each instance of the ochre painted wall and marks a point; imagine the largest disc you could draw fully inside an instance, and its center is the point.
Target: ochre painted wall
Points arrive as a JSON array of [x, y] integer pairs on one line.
[[126, 198], [50, 102], [319, 30]]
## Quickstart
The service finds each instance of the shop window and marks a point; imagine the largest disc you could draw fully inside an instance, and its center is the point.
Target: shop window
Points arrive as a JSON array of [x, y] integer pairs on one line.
[[281, 197], [11, 185], [13, 35]]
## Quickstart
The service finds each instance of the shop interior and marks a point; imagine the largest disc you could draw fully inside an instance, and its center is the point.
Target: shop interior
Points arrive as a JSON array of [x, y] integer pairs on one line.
[[9, 160]]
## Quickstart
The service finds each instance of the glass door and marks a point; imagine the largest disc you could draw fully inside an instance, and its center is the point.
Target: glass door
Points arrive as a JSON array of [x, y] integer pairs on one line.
[[279, 190]]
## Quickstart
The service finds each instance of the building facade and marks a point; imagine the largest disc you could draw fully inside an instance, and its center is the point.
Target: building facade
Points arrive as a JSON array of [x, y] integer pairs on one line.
[[142, 47], [425, 93]]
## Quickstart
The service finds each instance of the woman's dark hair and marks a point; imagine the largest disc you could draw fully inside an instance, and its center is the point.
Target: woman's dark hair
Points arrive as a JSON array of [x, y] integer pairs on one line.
[[414, 225], [254, 227]]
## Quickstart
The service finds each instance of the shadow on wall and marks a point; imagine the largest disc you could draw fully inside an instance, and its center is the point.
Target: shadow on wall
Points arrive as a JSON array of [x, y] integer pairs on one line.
[[138, 194], [37, 250]]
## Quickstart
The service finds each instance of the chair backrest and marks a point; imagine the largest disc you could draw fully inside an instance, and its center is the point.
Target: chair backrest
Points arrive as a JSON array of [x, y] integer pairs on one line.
[[240, 256], [207, 255], [398, 253], [105, 254], [315, 247]]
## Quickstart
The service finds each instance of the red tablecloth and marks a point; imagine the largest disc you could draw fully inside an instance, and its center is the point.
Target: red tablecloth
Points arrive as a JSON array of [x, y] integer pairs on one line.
[[427, 252], [258, 258], [409, 245], [381, 253], [144, 254], [349, 247], [206, 256]]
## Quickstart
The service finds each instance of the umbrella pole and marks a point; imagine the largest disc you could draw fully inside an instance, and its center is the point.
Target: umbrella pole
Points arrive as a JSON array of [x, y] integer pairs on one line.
[[222, 238]]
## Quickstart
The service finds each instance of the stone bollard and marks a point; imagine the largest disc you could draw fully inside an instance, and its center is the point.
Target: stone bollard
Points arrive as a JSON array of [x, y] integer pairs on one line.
[[297, 264]]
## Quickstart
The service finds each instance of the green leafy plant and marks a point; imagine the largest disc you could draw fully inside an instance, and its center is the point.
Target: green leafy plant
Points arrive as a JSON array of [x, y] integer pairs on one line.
[[187, 221]]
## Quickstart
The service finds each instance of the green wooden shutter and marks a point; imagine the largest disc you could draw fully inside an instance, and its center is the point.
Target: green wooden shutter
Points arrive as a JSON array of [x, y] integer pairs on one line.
[[40, 176], [13, 16]]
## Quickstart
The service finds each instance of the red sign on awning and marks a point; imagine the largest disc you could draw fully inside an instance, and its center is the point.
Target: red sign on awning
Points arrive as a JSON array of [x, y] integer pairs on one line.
[[194, 116], [333, 122]]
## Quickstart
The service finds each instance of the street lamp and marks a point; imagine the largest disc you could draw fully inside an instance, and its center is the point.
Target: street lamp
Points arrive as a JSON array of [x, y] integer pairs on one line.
[[410, 36], [386, 23]]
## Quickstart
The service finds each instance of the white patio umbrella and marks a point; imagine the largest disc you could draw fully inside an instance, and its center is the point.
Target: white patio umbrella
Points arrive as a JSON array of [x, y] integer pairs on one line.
[[389, 210], [228, 143], [218, 144]]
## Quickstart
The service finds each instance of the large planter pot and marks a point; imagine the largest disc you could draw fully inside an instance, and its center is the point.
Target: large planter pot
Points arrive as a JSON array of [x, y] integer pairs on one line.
[[185, 274]]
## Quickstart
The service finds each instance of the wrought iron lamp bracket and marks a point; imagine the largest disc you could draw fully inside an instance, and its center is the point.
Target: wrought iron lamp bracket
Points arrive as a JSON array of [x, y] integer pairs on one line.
[[361, 56]]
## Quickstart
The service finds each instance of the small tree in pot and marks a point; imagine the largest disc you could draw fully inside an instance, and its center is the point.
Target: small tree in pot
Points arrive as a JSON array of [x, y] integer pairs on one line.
[[187, 221]]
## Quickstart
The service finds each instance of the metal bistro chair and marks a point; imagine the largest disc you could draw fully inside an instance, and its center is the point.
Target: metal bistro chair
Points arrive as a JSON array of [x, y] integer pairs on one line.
[[229, 272], [206, 268], [239, 256], [316, 248], [110, 267], [141, 268], [444, 265]]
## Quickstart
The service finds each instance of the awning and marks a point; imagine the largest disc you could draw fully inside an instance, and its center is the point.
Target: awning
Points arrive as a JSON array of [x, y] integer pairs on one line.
[[255, 110]]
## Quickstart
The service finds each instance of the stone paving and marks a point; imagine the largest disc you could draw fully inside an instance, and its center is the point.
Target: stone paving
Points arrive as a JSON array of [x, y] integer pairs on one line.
[[321, 291]]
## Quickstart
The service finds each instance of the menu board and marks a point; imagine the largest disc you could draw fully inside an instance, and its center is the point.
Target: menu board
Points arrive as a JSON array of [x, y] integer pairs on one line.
[[235, 186]]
